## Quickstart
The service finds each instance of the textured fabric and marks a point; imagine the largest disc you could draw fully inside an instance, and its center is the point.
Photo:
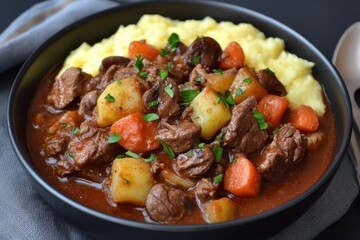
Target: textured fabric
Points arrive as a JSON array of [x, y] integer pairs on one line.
[[24, 215]]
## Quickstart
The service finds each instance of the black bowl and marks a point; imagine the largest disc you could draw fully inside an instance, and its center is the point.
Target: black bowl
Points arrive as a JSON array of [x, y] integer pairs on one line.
[[98, 26]]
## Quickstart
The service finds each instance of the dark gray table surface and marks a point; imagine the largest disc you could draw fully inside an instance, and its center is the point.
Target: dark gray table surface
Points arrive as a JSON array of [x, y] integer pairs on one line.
[[320, 21]]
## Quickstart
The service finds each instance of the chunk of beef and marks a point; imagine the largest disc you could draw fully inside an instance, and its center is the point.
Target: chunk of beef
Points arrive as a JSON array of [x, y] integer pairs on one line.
[[203, 192], [167, 105], [195, 162], [67, 87], [242, 133], [64, 167], [90, 146], [106, 63], [88, 103], [180, 138], [285, 152], [205, 51], [198, 73], [165, 204], [270, 82], [54, 144]]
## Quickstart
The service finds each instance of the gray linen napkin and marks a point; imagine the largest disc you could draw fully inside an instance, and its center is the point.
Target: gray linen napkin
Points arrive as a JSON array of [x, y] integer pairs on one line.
[[24, 215]]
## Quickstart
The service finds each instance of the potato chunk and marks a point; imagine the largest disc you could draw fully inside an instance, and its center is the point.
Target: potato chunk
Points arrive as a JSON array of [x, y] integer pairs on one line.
[[119, 99], [131, 181], [209, 112], [220, 210]]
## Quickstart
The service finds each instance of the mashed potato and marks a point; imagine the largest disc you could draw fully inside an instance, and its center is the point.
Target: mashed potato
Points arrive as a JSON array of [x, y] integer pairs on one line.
[[260, 52]]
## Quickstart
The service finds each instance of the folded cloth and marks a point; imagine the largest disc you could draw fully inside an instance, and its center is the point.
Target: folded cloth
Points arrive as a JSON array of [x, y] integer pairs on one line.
[[24, 215]]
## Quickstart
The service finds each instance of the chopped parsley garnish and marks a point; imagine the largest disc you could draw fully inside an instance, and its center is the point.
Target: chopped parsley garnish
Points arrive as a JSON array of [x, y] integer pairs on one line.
[[75, 130], [219, 137], [268, 70], [218, 99], [153, 103], [164, 52], [151, 117], [132, 154], [228, 100], [190, 154], [217, 151], [248, 80], [121, 155], [163, 74], [188, 95], [198, 80], [169, 65], [143, 75], [239, 92], [218, 71], [139, 65], [167, 149], [276, 131], [195, 60], [218, 178], [110, 98], [72, 155], [114, 137], [151, 158], [169, 91], [260, 120], [173, 41], [201, 145], [118, 81]]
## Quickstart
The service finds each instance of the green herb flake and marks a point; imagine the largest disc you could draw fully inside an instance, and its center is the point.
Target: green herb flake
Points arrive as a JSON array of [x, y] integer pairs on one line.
[[230, 100], [131, 154], [173, 41], [143, 75], [263, 125], [198, 80], [169, 91], [118, 81], [75, 130], [219, 137], [268, 70], [218, 99], [139, 65], [258, 115], [195, 60], [153, 103], [110, 98], [114, 138], [222, 98], [151, 158], [260, 120], [121, 155], [163, 74], [188, 95], [218, 179], [201, 145], [239, 92], [164, 52], [218, 71], [169, 66], [276, 131], [151, 117], [190, 154], [200, 36], [248, 80], [72, 155], [217, 151], [167, 149]]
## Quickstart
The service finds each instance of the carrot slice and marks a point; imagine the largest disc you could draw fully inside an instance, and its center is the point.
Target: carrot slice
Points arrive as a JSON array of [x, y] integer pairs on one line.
[[305, 119], [273, 107], [142, 48], [233, 57], [241, 178], [137, 135]]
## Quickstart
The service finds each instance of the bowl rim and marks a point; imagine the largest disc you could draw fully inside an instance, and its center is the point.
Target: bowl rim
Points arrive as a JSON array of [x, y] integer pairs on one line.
[[180, 228]]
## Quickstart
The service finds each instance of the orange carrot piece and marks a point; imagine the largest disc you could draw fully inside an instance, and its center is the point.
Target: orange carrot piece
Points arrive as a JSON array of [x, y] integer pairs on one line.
[[142, 48], [137, 135], [241, 178], [233, 57], [305, 119], [273, 107]]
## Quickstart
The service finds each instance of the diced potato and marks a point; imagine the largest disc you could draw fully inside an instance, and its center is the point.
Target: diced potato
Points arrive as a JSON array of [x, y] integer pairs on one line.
[[246, 84], [131, 181], [220, 82], [125, 97], [172, 178], [209, 112], [219, 210]]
